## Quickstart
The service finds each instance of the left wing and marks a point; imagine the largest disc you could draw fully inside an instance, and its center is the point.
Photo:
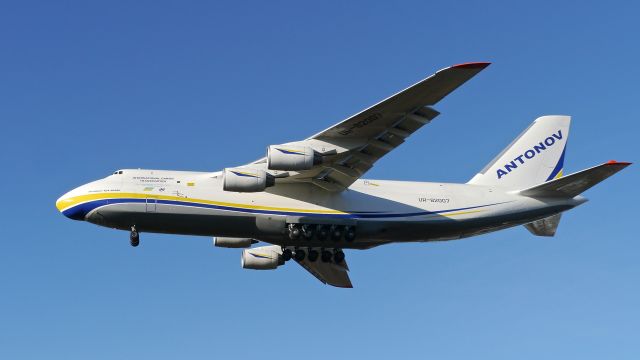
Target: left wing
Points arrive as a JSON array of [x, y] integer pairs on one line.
[[350, 148], [329, 272]]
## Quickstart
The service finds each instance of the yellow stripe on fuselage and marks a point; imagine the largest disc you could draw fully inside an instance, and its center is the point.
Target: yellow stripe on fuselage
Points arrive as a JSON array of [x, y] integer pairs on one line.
[[73, 201], [456, 213]]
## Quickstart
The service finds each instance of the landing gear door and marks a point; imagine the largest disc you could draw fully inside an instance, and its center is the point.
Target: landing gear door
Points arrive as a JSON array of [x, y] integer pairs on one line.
[[151, 204]]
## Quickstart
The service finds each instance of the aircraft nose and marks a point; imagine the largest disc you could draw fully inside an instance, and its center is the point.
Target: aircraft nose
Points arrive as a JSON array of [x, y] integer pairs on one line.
[[65, 205]]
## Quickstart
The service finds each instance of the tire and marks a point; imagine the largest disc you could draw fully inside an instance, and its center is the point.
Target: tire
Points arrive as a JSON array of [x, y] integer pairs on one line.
[[350, 234], [287, 254], [336, 233], [294, 232], [308, 231], [322, 232], [134, 238], [326, 256], [313, 255], [299, 255], [338, 257]]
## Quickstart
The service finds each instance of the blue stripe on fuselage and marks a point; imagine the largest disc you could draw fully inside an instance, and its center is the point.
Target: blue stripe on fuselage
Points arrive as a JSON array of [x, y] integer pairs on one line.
[[80, 211]]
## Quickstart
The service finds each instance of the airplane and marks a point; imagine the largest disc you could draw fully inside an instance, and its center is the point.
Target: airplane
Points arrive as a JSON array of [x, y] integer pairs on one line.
[[307, 201]]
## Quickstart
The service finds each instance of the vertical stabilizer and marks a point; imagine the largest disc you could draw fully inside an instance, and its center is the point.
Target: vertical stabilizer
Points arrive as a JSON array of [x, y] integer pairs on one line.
[[536, 156]]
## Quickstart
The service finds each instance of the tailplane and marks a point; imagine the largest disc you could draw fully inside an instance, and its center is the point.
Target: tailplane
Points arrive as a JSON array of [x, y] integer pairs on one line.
[[567, 187], [534, 157], [576, 183]]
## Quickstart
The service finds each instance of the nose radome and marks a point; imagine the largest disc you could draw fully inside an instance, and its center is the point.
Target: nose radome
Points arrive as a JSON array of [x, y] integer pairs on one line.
[[65, 206], [60, 203]]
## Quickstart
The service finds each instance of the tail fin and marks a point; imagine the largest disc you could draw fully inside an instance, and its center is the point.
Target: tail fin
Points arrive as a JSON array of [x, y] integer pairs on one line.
[[535, 156]]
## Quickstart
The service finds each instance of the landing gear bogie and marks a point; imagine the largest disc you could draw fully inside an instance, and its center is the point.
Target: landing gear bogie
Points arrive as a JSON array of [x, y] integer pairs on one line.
[[300, 254], [320, 232]]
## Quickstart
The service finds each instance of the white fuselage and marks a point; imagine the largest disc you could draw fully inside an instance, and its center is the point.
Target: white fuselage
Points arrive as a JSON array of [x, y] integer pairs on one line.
[[382, 211]]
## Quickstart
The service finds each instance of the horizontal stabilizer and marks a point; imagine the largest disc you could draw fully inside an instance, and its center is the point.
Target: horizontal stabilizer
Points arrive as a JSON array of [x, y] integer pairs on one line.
[[576, 183], [544, 227]]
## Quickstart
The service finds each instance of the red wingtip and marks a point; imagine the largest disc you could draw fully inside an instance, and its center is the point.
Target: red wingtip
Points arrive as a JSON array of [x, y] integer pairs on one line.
[[472, 65], [613, 162]]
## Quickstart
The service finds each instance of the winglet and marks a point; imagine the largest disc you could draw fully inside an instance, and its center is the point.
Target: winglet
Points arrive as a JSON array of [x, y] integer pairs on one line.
[[472, 65]]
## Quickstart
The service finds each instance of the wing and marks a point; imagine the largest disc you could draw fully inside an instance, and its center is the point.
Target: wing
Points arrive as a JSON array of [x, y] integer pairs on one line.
[[351, 147], [329, 272]]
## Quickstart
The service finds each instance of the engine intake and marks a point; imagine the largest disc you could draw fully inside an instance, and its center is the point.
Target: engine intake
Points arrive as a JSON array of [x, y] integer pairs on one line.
[[291, 157], [262, 258], [229, 242], [246, 180]]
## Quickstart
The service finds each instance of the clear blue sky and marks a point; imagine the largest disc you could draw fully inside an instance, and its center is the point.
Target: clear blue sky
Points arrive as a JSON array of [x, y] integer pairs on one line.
[[90, 87]]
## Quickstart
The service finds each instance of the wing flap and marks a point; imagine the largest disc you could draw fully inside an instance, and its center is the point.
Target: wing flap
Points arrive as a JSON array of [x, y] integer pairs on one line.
[[329, 273]]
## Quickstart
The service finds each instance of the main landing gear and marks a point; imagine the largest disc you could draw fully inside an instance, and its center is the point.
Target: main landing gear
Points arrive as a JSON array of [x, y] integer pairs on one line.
[[134, 237], [333, 233], [312, 255]]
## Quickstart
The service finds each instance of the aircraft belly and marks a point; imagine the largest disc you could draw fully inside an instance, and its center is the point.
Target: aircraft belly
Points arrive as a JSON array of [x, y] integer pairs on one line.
[[170, 219]]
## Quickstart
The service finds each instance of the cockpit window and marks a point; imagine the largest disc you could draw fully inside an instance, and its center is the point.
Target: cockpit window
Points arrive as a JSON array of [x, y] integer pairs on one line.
[[119, 172]]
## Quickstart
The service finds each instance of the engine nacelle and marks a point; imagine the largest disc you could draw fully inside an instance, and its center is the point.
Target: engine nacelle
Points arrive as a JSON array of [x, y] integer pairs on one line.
[[229, 242], [246, 180], [291, 157], [262, 258]]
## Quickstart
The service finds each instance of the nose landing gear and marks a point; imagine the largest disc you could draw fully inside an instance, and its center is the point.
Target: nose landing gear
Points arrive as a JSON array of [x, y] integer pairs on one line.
[[134, 237]]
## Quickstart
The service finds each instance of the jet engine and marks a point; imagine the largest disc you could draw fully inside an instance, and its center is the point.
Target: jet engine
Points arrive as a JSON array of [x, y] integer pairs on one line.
[[229, 242], [246, 180], [291, 158], [262, 258]]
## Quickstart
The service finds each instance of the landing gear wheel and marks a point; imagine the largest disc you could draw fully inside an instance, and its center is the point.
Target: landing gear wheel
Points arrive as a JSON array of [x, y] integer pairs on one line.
[[338, 257], [350, 233], [322, 232], [287, 254], [313, 255], [336, 232], [134, 237], [299, 255], [326, 256], [294, 231], [307, 231]]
